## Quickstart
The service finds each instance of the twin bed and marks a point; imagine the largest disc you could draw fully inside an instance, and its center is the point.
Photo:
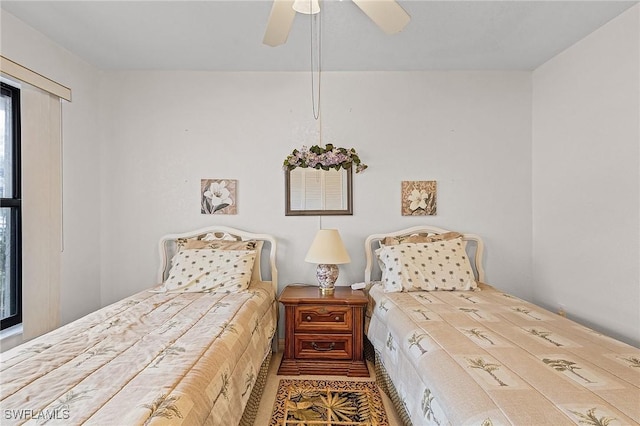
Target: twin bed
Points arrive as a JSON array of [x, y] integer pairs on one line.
[[448, 353], [194, 351], [448, 349]]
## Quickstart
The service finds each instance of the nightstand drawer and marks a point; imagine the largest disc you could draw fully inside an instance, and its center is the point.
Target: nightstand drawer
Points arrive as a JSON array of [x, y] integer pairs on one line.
[[327, 318], [323, 346]]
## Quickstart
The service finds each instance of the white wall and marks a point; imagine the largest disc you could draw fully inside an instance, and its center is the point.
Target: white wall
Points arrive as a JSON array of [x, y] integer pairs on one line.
[[469, 131], [586, 179], [80, 281]]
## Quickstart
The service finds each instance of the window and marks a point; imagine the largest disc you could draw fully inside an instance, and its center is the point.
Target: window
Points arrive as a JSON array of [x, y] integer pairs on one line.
[[10, 208]]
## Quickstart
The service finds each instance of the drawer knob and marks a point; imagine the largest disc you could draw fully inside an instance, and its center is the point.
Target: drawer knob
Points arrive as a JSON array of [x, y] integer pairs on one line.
[[319, 349], [337, 318], [308, 317]]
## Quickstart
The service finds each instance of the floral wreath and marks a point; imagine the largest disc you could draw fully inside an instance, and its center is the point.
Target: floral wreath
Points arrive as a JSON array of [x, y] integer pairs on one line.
[[326, 158]]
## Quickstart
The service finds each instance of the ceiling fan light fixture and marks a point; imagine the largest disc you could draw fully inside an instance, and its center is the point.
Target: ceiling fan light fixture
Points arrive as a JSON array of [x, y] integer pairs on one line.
[[308, 7]]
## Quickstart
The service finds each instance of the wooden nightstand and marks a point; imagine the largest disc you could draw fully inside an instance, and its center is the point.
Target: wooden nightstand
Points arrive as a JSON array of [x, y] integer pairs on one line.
[[323, 334]]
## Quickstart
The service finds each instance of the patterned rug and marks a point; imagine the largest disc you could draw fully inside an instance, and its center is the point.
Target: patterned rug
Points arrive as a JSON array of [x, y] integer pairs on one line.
[[328, 403]]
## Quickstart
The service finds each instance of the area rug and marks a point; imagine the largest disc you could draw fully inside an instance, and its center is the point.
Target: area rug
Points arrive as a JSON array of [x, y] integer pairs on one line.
[[328, 403]]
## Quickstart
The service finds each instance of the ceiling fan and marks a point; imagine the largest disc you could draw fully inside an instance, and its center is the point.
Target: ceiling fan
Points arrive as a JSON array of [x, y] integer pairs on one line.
[[387, 14]]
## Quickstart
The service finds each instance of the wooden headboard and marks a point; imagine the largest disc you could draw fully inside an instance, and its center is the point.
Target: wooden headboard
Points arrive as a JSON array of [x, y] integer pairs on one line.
[[372, 243], [265, 259]]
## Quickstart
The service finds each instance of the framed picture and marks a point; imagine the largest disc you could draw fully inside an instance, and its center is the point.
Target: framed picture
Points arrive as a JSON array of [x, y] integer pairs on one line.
[[218, 196], [418, 197]]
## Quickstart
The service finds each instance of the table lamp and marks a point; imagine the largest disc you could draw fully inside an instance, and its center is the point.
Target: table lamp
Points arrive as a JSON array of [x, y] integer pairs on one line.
[[327, 250]]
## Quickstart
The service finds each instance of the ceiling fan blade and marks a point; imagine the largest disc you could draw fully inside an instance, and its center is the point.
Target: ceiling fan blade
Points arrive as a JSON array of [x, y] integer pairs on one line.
[[387, 14], [280, 21]]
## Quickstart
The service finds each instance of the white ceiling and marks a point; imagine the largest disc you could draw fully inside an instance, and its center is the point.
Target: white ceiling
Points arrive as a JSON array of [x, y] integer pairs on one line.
[[227, 34]]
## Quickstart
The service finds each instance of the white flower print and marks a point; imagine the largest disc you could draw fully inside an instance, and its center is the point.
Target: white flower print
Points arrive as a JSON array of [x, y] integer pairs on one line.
[[418, 199], [217, 195]]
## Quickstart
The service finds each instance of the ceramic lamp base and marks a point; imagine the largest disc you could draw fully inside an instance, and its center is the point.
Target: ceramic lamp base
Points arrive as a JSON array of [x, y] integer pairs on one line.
[[327, 275]]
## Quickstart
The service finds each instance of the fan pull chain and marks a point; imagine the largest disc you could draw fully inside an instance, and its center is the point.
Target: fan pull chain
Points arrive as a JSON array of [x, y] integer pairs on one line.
[[315, 18]]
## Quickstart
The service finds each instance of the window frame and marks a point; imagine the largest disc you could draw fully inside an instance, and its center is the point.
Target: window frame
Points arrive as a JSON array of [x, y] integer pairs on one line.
[[15, 203]]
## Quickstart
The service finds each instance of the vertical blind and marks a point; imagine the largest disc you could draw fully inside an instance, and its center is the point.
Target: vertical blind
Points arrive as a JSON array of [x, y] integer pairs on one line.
[[41, 196], [41, 211]]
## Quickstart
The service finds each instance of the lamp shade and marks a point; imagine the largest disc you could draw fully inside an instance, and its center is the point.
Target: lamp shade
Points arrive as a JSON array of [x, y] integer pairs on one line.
[[308, 7], [327, 248]]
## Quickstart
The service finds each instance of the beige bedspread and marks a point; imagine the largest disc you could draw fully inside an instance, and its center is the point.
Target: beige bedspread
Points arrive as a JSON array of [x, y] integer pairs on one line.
[[489, 358], [152, 358]]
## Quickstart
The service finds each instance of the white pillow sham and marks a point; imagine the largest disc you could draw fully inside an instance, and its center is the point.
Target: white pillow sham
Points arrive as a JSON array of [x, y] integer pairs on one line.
[[440, 265], [210, 270]]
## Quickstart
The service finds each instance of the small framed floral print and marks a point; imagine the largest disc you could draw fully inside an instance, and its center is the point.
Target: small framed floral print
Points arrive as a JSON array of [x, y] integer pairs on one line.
[[419, 198], [218, 196]]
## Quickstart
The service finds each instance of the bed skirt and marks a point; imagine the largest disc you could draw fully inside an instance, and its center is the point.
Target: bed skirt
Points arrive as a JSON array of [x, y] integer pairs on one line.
[[385, 383], [251, 410]]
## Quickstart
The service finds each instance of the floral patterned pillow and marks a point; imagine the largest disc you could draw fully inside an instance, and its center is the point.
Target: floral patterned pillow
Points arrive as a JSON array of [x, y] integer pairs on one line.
[[391, 241], [440, 265], [210, 270], [194, 243]]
